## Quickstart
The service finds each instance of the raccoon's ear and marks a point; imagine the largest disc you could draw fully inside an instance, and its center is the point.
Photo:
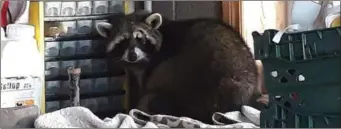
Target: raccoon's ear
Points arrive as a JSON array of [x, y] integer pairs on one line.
[[155, 20], [103, 28]]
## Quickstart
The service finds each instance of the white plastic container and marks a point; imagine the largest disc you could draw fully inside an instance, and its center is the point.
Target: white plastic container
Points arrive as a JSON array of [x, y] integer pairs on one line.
[[305, 17], [21, 67]]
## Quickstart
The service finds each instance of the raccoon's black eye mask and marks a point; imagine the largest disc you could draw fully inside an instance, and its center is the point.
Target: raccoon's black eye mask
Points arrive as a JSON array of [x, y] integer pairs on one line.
[[142, 33], [153, 21]]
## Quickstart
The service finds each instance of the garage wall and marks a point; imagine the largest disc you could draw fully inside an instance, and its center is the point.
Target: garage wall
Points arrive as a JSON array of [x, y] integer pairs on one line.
[[177, 10]]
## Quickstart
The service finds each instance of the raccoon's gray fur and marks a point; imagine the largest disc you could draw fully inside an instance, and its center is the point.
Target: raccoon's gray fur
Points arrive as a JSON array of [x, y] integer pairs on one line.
[[202, 66]]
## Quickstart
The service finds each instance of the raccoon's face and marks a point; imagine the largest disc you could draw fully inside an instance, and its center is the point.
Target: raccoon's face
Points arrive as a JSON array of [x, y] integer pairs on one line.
[[132, 38]]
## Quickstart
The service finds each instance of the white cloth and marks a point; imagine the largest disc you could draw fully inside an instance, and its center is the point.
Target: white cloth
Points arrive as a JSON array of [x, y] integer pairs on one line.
[[81, 117]]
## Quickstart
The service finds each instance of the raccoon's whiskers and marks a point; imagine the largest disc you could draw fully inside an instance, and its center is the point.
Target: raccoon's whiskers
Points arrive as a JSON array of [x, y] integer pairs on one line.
[[118, 59]]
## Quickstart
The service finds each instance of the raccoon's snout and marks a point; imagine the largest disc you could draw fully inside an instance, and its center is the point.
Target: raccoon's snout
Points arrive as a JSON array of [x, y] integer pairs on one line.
[[133, 55]]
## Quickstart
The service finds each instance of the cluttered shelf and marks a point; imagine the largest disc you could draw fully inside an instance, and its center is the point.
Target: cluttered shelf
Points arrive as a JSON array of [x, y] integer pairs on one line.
[[74, 18], [71, 40]]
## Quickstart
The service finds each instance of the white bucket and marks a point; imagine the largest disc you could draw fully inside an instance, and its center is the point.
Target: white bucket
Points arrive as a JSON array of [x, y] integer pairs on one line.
[[304, 13]]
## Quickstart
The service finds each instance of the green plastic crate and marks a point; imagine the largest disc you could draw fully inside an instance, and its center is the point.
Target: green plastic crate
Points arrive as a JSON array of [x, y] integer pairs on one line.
[[302, 77]]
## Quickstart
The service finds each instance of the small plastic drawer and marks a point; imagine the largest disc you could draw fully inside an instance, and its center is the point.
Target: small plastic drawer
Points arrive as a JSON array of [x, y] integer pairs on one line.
[[52, 88], [90, 103], [85, 86], [64, 65], [68, 9], [52, 106], [84, 47], [100, 7], [84, 8], [52, 49], [100, 85], [68, 48], [52, 69], [86, 66]]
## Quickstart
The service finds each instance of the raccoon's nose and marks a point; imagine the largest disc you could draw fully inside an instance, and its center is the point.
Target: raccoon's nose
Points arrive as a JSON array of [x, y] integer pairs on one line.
[[132, 56]]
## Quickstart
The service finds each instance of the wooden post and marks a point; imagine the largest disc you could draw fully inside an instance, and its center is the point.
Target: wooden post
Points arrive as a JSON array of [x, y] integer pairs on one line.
[[232, 14], [36, 18], [128, 8], [282, 15]]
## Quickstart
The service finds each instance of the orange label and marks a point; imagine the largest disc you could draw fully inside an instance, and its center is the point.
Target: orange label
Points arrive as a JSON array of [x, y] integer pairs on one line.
[[29, 102]]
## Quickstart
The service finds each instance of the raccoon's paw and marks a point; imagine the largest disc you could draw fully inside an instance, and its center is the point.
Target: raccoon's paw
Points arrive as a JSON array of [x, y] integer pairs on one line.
[[156, 104]]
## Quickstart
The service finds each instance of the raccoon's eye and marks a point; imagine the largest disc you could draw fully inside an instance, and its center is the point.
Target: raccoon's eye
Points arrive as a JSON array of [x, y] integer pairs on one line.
[[142, 40]]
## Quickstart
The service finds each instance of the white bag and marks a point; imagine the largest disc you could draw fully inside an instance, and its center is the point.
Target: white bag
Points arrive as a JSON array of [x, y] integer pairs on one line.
[[18, 11], [307, 15]]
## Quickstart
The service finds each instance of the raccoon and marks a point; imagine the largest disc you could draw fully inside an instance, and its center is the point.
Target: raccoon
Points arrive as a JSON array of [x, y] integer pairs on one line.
[[133, 40], [189, 68]]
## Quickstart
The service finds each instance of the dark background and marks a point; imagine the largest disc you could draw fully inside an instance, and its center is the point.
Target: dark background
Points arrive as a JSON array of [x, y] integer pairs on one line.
[[178, 10]]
